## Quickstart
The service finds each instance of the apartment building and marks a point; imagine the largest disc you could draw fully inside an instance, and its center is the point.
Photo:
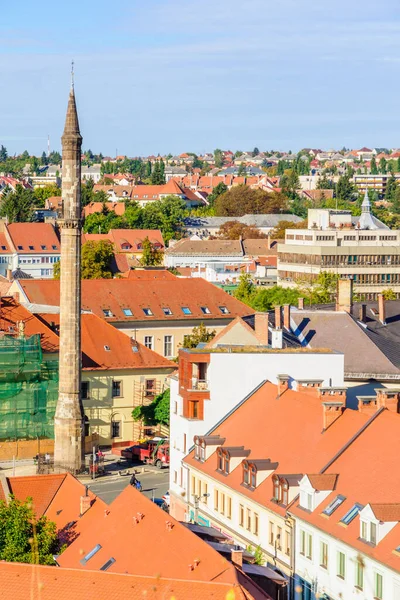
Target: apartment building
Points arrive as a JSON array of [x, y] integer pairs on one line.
[[34, 248], [362, 248]]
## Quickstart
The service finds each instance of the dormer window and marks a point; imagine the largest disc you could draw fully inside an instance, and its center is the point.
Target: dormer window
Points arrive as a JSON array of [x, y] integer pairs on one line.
[[249, 475], [285, 493], [277, 488], [43, 247], [31, 247], [223, 461], [368, 531]]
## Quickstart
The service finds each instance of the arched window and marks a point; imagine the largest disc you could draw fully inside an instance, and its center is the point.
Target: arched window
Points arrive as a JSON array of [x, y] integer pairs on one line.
[[285, 493], [246, 473], [220, 460], [277, 488], [253, 477]]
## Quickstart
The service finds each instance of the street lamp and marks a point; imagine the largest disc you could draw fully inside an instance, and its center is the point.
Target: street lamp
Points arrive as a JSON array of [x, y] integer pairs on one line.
[[197, 499]]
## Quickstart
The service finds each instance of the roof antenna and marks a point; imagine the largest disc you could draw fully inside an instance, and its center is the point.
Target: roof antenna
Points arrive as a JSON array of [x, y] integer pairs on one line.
[[72, 74]]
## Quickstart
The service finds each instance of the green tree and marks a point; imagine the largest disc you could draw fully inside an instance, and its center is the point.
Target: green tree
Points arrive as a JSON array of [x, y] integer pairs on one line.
[[151, 256], [54, 158], [266, 298], [383, 165], [219, 189], [256, 151], [396, 201], [87, 193], [246, 289], [43, 159], [156, 412], [95, 261], [17, 206], [374, 166], [290, 184], [241, 170], [25, 538], [391, 187], [3, 153], [241, 200], [41, 194], [324, 183], [320, 290], [389, 294], [199, 335], [218, 158], [166, 215], [278, 232], [157, 176], [345, 190]]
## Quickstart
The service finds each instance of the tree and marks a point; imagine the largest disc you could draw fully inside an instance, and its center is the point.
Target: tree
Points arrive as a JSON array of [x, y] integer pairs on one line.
[[157, 176], [241, 170], [24, 537], [391, 187], [382, 165], [151, 256], [246, 289], [278, 232], [166, 215], [3, 153], [17, 206], [200, 334], [324, 183], [95, 260], [319, 290], [389, 294], [156, 412], [54, 158], [233, 230], [218, 158], [290, 183], [43, 159], [267, 298], [241, 200], [374, 166], [345, 190], [219, 189], [41, 194], [396, 201], [256, 151], [87, 192]]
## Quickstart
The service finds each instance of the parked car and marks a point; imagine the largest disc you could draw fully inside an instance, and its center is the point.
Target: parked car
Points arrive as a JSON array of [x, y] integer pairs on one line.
[[161, 504], [166, 498]]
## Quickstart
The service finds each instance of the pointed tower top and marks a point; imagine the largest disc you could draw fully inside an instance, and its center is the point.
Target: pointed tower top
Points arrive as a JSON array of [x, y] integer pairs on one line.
[[366, 204], [72, 74], [71, 121]]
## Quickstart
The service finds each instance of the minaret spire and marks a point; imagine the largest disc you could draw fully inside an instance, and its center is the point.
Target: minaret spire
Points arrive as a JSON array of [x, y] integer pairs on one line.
[[69, 445]]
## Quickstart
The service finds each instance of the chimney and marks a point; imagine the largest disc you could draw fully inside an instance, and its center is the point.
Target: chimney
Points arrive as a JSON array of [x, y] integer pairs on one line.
[[344, 294], [85, 502], [278, 317], [269, 242], [363, 313], [9, 275], [237, 557], [387, 399], [277, 339], [331, 412], [381, 309], [333, 403], [286, 316], [283, 384], [261, 327], [300, 303]]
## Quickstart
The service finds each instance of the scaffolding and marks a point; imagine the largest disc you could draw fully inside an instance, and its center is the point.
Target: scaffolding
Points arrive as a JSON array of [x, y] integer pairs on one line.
[[28, 389]]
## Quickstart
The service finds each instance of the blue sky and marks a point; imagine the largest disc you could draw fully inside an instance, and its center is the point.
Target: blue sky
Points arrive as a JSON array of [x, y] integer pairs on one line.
[[182, 75]]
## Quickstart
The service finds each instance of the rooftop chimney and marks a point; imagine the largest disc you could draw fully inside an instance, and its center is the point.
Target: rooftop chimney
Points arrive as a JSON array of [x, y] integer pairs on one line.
[[9, 275], [333, 404], [344, 294], [382, 309], [283, 384], [261, 327], [388, 399], [363, 313], [269, 242], [300, 303], [85, 502], [286, 316], [237, 557], [278, 317]]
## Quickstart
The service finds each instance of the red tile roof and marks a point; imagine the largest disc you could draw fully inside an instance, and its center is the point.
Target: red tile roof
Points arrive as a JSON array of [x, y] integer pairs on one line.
[[257, 425], [323, 481], [38, 582], [41, 488], [116, 294], [28, 238], [5, 247], [149, 274], [97, 207], [127, 240]]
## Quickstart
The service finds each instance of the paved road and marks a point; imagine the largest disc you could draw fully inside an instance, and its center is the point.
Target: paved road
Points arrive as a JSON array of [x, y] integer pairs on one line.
[[154, 482]]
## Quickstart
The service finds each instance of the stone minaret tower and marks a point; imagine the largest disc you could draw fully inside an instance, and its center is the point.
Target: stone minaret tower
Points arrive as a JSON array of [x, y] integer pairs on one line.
[[69, 451]]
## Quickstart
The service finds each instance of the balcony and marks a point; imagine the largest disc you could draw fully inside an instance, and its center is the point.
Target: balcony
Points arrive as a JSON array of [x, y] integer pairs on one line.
[[199, 385]]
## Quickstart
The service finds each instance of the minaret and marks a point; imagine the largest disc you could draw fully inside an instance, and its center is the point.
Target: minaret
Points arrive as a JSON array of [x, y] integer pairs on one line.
[[69, 450]]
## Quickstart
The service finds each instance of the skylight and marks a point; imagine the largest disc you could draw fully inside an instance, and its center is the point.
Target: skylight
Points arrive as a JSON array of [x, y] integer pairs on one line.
[[127, 312], [20, 247], [31, 248], [4, 247], [333, 505], [43, 247], [108, 564], [107, 348], [167, 310], [90, 554], [107, 312], [353, 512], [186, 310], [205, 310], [148, 312], [224, 310], [54, 247]]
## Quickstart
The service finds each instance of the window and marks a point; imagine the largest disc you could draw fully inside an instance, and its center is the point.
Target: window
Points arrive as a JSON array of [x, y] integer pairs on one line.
[[277, 488], [248, 519], [148, 341], [175, 477], [224, 310], [150, 387], [84, 390], [372, 538], [378, 586], [43, 247], [309, 500], [241, 515], [175, 407], [246, 474], [364, 534], [107, 312], [287, 543], [168, 351], [323, 555], [205, 493], [279, 537], [302, 542], [116, 429], [285, 493], [127, 312], [87, 426], [353, 512], [193, 409], [108, 564], [205, 310], [341, 565], [222, 504], [31, 248], [333, 505], [4, 247], [54, 247], [90, 554], [20, 247], [186, 310], [229, 507], [309, 546], [215, 499], [116, 389], [222, 461], [271, 533], [359, 575], [148, 312], [167, 311], [253, 477]]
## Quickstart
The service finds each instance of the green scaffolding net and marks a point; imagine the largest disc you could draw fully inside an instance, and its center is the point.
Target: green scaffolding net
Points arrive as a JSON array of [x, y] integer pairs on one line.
[[28, 389]]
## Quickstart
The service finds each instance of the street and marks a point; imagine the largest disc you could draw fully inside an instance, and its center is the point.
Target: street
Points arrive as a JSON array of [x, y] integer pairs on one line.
[[154, 482]]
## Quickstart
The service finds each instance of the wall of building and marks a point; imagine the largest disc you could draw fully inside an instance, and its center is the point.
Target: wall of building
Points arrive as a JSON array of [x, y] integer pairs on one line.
[[325, 580]]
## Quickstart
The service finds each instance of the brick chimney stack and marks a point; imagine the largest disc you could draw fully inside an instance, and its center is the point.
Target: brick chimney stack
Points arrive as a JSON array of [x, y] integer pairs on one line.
[[261, 327], [333, 404], [388, 399], [300, 303], [283, 384], [344, 294], [237, 557], [278, 317], [363, 313], [286, 316], [382, 309]]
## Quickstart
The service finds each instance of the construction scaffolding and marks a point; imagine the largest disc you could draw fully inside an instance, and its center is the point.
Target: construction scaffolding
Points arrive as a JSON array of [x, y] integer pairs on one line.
[[28, 389]]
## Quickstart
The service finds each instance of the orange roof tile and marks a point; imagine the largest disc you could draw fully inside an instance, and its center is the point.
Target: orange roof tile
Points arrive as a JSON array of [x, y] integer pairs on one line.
[[257, 424], [127, 240], [41, 488], [386, 512], [116, 294], [29, 238], [5, 247], [38, 582], [323, 481], [97, 207]]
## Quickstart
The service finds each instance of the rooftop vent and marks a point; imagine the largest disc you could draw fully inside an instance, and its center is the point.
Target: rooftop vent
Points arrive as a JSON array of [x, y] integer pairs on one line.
[[107, 348]]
